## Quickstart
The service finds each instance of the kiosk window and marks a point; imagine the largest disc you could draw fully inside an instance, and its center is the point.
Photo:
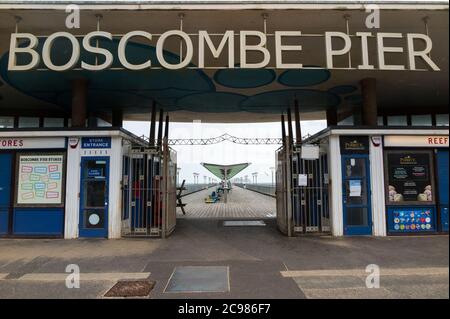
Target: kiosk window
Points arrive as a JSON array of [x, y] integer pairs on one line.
[[409, 177]]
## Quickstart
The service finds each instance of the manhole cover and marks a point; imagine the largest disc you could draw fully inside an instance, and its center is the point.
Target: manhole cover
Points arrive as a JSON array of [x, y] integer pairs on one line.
[[199, 279], [131, 288], [232, 223]]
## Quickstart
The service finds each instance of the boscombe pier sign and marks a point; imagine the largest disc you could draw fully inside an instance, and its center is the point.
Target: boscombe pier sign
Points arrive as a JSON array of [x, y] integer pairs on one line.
[[417, 46]]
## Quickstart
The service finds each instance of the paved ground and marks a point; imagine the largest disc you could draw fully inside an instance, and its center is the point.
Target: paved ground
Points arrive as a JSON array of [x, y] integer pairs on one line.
[[241, 203], [261, 263]]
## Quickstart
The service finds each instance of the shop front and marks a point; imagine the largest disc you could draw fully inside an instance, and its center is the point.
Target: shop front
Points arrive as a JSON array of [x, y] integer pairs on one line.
[[65, 184], [386, 181], [356, 190], [416, 175], [32, 186]]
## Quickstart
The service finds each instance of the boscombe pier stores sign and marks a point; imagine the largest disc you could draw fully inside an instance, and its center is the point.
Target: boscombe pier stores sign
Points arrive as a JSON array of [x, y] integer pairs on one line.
[[418, 46]]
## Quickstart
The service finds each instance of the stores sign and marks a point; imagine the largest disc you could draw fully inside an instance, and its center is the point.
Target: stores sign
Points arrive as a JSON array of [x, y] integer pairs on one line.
[[31, 142], [26, 44]]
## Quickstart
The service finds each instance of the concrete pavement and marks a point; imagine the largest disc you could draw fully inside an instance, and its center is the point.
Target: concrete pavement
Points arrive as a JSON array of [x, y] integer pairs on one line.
[[262, 263]]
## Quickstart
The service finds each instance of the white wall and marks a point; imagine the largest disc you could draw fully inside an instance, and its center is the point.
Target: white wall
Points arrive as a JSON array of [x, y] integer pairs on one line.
[[378, 189], [334, 162], [72, 212], [72, 192], [115, 192]]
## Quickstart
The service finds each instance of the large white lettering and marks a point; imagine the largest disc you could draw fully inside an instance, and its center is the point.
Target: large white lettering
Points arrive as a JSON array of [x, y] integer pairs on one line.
[[253, 49], [228, 37], [14, 49]]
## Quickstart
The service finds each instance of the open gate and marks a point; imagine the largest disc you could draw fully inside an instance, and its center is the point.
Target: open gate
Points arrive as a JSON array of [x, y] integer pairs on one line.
[[149, 192], [302, 207]]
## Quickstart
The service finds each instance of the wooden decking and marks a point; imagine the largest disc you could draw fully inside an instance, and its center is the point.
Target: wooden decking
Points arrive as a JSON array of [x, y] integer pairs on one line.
[[241, 203]]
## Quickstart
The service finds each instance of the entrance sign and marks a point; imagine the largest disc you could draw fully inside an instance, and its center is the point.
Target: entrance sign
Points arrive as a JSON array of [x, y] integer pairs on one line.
[[26, 44], [96, 142], [416, 141], [39, 179]]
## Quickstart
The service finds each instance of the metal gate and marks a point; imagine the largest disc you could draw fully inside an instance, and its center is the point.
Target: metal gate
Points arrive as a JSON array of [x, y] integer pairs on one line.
[[302, 208], [310, 203], [149, 192], [283, 195]]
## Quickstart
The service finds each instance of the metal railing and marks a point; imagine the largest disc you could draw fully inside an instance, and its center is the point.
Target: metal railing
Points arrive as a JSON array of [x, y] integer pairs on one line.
[[266, 189], [193, 188]]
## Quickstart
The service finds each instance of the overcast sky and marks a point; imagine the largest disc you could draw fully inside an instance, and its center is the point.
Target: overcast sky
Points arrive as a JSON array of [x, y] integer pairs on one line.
[[261, 157]]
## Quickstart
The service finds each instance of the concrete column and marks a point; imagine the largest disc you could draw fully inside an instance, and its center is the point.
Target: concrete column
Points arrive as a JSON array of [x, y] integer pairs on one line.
[[369, 108], [332, 118], [79, 102], [377, 189], [335, 169], [72, 203], [115, 190], [117, 117]]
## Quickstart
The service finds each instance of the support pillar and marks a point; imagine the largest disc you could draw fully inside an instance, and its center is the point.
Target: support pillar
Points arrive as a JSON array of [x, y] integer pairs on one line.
[[283, 130], [166, 127], [160, 127], [117, 117], [289, 122], [332, 118], [79, 102], [298, 130], [369, 110], [152, 125]]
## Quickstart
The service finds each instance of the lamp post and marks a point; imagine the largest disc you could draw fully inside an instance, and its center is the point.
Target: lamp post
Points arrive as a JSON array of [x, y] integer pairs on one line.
[[196, 177], [178, 175], [272, 170]]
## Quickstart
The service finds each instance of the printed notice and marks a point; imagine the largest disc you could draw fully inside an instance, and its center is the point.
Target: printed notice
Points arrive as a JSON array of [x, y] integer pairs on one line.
[[355, 188], [302, 180], [40, 179]]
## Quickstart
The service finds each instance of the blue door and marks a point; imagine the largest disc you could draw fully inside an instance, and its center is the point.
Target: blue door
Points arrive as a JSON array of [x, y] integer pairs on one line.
[[356, 195], [94, 197], [5, 191], [442, 179]]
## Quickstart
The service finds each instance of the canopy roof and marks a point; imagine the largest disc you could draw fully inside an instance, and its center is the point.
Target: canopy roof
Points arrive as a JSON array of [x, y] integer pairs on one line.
[[218, 94], [225, 170]]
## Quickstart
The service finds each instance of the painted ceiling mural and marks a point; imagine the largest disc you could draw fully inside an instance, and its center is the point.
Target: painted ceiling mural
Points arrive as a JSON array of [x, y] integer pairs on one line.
[[187, 89]]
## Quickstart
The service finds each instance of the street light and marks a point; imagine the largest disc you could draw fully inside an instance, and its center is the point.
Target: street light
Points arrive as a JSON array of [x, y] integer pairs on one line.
[[196, 177], [178, 175], [272, 169]]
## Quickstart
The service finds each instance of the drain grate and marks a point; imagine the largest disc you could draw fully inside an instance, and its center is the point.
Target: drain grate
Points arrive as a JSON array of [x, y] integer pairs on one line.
[[232, 223], [131, 288]]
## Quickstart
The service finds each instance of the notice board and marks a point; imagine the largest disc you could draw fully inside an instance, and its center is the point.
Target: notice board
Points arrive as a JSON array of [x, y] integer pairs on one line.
[[40, 179], [409, 176]]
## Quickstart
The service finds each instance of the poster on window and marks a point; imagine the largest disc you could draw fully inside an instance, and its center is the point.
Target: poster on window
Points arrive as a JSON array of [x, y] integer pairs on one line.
[[409, 178], [411, 219], [40, 179]]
